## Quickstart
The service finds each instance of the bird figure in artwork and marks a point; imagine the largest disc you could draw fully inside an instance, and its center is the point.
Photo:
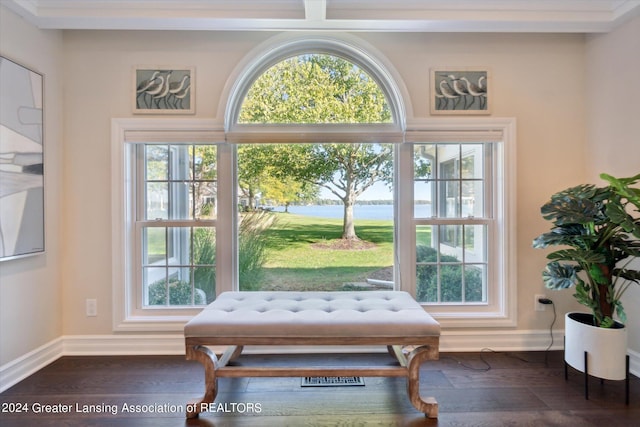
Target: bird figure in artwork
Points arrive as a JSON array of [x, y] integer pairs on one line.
[[482, 83], [477, 90], [181, 95], [441, 100], [449, 94], [176, 88], [164, 91], [461, 89], [145, 86], [154, 90]]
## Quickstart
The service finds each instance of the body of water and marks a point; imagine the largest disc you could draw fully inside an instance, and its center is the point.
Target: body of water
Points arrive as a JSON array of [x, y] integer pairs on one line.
[[379, 212]]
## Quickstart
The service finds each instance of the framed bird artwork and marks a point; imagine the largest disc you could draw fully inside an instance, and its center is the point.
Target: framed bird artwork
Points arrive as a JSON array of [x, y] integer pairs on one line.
[[164, 90], [460, 90]]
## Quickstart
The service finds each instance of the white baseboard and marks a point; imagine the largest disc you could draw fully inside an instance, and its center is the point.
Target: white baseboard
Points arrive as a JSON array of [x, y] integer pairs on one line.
[[113, 345], [634, 362], [15, 371], [531, 340], [173, 344]]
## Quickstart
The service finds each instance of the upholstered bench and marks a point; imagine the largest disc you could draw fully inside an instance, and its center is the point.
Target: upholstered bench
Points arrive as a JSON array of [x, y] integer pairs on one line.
[[390, 318]]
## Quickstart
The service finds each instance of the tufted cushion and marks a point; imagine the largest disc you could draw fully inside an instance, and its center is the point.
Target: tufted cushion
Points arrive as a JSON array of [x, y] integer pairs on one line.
[[313, 314]]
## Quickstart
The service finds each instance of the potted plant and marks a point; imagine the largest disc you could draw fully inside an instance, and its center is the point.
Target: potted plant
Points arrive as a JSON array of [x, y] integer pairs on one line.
[[599, 230]]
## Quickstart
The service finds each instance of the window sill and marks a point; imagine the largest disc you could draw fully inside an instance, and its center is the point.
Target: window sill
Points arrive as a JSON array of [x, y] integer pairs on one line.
[[448, 320], [451, 320], [152, 323]]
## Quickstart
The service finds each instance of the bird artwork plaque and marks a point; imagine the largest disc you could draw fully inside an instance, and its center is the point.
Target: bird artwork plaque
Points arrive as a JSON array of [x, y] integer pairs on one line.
[[164, 90], [456, 90]]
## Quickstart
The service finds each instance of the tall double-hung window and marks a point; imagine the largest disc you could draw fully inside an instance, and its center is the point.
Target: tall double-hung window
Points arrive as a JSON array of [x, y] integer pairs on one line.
[[452, 196], [175, 210], [166, 186], [461, 225]]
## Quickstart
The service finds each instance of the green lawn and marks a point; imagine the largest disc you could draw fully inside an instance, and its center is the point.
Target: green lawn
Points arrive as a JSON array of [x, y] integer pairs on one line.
[[299, 256]]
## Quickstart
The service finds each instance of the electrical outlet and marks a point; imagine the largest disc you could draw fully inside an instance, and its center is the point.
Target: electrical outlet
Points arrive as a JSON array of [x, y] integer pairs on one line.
[[92, 307], [537, 305]]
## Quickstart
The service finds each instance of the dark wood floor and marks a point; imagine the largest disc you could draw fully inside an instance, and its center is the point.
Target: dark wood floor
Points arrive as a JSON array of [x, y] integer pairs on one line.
[[472, 389]]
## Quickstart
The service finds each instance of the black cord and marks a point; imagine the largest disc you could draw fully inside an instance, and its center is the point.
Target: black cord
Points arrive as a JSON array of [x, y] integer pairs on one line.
[[488, 350], [471, 368], [546, 352]]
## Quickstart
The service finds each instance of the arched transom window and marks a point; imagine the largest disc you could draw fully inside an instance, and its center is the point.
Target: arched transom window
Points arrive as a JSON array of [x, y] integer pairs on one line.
[[315, 88]]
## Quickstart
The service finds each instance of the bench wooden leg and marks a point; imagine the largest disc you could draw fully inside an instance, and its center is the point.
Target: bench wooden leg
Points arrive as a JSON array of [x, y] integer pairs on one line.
[[208, 359], [230, 354], [428, 405], [396, 351]]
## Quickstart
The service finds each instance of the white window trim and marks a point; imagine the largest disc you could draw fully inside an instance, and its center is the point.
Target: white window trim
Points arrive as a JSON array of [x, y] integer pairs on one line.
[[124, 132], [192, 130], [127, 318], [501, 311]]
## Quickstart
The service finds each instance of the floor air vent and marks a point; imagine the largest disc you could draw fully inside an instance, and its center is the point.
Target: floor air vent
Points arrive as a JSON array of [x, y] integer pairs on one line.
[[331, 381]]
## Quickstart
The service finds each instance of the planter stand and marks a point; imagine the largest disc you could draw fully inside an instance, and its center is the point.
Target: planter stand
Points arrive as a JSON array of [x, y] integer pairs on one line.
[[586, 377], [597, 352]]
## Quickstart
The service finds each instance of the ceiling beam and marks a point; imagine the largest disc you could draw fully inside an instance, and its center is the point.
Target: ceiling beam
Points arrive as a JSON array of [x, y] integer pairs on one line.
[[315, 10]]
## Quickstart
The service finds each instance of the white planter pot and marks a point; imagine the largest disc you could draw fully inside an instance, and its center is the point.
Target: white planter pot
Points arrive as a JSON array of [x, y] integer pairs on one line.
[[606, 347]]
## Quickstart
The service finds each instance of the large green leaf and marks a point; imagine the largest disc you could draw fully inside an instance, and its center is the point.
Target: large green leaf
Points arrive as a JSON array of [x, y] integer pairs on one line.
[[631, 275], [575, 235], [618, 215], [577, 255], [623, 187], [571, 209], [626, 244], [583, 296], [607, 322], [559, 276], [598, 275], [583, 191], [620, 312]]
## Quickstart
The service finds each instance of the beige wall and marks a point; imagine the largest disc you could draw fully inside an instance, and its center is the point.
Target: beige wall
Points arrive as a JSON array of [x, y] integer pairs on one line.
[[565, 93], [30, 288], [613, 142], [539, 79]]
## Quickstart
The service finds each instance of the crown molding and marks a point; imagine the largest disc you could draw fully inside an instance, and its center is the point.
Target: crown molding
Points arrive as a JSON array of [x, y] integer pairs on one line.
[[572, 16]]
